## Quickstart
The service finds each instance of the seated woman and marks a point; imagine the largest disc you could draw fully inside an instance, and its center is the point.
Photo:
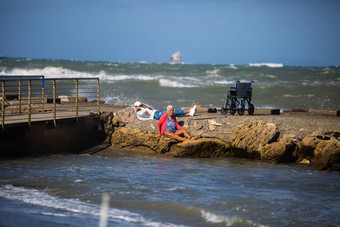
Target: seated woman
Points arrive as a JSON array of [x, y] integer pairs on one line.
[[168, 126], [146, 112]]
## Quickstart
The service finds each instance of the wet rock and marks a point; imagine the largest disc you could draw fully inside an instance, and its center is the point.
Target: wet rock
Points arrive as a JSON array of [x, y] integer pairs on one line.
[[327, 155], [322, 148], [201, 148], [281, 151], [249, 139], [135, 139]]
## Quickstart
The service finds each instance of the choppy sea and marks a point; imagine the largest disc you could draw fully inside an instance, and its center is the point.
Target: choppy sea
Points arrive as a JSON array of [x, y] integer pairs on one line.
[[184, 84], [150, 190]]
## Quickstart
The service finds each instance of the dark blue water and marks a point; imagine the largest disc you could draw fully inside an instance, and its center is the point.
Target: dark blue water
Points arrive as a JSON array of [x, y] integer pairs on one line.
[[151, 190]]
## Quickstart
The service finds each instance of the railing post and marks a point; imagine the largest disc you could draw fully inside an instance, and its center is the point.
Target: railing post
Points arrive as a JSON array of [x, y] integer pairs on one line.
[[98, 101], [3, 105], [77, 101], [29, 103], [54, 105], [19, 95], [43, 94]]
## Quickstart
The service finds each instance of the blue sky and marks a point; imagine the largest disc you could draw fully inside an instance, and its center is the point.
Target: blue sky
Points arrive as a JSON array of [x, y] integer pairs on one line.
[[292, 32]]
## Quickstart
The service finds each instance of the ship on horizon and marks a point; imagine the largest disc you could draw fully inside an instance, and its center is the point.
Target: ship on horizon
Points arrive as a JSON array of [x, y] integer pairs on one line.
[[176, 57]]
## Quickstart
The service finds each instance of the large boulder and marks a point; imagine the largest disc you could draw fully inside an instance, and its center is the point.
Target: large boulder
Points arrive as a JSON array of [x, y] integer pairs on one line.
[[281, 151], [135, 139], [147, 142], [249, 139], [201, 148], [327, 155], [322, 149], [127, 115], [308, 145]]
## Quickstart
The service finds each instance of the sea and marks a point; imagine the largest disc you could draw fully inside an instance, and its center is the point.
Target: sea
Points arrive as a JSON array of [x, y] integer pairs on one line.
[[184, 84], [153, 190]]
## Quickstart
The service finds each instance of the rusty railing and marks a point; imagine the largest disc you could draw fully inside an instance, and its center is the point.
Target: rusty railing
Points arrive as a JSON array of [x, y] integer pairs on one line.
[[25, 95]]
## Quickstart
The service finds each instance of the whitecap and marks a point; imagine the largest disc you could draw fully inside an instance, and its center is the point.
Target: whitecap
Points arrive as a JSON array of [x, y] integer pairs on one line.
[[270, 65], [70, 207], [171, 83], [213, 72], [53, 72], [224, 82], [226, 220]]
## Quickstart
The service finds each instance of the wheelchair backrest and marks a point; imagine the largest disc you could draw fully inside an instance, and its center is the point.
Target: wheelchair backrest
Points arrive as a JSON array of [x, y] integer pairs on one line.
[[243, 89]]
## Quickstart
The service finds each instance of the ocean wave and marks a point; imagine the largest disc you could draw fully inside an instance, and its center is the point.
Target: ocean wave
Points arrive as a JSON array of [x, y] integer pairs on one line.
[[270, 65], [129, 77], [171, 83], [70, 207], [223, 82], [213, 72], [226, 220], [53, 72]]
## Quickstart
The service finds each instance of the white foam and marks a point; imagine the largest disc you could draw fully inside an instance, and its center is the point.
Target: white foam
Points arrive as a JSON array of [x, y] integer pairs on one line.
[[130, 77], [213, 72], [224, 82], [70, 207], [231, 66], [270, 65], [54, 72], [171, 83], [226, 220]]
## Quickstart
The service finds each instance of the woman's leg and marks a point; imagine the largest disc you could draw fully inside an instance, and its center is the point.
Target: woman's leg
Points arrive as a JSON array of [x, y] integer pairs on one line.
[[158, 114], [180, 113], [174, 136]]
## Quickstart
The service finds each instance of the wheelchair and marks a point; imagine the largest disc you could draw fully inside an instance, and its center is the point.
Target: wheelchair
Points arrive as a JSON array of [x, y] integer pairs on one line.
[[239, 99]]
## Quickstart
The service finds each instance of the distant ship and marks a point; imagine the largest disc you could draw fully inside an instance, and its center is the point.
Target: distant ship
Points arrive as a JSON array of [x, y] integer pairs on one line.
[[176, 57]]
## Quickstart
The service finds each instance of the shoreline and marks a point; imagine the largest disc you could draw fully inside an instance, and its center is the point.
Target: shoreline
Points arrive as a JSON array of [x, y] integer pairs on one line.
[[295, 137]]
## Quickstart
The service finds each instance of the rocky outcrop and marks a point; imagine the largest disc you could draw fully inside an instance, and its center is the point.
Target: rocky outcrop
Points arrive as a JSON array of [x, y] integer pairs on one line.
[[259, 140], [322, 149], [202, 148], [135, 139], [249, 139], [252, 140], [280, 151]]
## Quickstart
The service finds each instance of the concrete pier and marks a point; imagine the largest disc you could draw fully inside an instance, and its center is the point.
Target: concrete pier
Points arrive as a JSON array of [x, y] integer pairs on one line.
[[68, 136]]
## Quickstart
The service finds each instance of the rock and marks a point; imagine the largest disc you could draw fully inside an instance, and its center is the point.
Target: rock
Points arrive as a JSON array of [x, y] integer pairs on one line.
[[117, 122], [323, 148], [281, 151], [65, 98], [127, 115], [106, 116], [307, 146], [249, 139], [304, 161], [327, 155], [201, 148], [135, 139]]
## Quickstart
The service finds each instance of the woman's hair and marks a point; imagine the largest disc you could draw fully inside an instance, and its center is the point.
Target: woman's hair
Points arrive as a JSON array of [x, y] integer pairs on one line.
[[169, 107]]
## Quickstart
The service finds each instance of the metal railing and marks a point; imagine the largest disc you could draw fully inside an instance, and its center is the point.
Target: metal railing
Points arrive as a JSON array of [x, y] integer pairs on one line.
[[25, 95]]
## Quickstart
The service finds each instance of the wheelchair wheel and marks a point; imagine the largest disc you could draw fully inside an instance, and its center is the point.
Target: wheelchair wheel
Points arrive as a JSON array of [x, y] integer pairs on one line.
[[240, 111], [224, 111], [251, 109]]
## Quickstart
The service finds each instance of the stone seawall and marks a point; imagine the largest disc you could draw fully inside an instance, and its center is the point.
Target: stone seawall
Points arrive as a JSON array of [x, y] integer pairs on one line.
[[303, 137]]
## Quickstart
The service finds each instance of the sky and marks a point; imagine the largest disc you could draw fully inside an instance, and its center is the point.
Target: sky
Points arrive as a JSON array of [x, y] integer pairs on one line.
[[291, 32]]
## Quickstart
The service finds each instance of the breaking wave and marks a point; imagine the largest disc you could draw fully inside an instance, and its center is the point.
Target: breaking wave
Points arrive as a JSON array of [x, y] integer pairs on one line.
[[70, 207], [270, 65]]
